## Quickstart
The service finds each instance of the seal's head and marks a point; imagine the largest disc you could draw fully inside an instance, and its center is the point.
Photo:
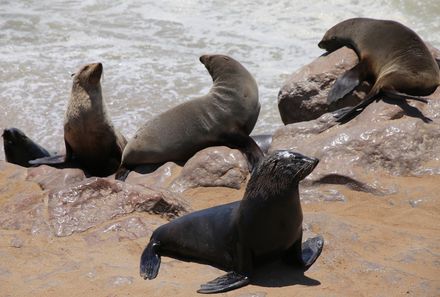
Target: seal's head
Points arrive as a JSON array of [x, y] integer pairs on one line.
[[89, 75], [14, 136], [279, 172], [340, 35], [221, 66]]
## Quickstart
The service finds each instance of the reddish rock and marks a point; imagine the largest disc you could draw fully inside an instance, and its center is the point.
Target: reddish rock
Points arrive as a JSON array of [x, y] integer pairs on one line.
[[213, 167], [161, 178], [96, 200], [51, 178]]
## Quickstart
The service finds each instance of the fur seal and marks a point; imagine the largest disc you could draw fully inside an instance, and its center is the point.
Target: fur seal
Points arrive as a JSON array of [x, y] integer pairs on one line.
[[391, 56], [225, 116], [266, 223], [20, 149], [90, 138]]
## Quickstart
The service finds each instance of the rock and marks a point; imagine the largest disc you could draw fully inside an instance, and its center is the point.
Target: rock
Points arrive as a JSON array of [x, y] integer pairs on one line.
[[385, 139], [161, 178], [97, 200], [51, 178], [303, 96], [213, 167]]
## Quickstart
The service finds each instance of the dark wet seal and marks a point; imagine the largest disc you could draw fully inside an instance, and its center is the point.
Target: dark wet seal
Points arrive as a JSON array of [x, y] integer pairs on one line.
[[265, 226]]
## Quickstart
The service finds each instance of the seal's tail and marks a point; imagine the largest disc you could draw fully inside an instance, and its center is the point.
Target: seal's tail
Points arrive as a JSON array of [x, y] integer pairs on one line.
[[150, 260]]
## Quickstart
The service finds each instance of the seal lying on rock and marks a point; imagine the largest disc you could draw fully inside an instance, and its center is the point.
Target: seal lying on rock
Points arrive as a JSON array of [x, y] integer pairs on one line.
[[225, 116], [267, 222], [20, 149], [391, 56], [91, 140]]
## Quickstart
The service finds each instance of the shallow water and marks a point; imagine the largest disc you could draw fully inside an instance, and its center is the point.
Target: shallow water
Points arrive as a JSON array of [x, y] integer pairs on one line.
[[150, 51]]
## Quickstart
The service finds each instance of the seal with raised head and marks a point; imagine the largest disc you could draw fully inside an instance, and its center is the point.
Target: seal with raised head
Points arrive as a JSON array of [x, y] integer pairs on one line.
[[20, 149], [391, 56], [265, 224], [90, 138], [225, 116]]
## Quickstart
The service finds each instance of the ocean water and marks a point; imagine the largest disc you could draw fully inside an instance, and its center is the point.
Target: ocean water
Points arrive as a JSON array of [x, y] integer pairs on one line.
[[150, 51]]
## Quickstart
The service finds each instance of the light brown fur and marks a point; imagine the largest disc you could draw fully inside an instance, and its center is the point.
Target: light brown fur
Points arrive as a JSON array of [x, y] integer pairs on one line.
[[89, 134]]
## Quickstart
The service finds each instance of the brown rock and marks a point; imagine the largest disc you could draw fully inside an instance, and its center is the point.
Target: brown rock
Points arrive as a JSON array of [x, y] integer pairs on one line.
[[303, 96], [385, 139], [213, 167], [51, 178], [161, 178], [97, 200]]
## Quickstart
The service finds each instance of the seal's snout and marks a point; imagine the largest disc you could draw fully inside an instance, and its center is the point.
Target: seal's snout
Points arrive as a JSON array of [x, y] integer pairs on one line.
[[321, 44], [204, 59]]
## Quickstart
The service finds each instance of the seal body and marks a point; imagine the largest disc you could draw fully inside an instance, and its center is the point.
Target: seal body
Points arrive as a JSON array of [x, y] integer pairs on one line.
[[391, 56], [20, 149], [89, 134], [266, 223], [225, 116]]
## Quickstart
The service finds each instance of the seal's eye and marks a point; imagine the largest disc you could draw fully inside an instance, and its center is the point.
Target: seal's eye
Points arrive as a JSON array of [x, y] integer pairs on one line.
[[333, 38], [226, 58], [72, 75]]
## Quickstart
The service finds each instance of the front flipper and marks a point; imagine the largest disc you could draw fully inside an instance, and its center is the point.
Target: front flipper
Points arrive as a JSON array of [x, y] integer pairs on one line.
[[51, 160], [231, 280], [346, 83], [150, 260], [311, 249]]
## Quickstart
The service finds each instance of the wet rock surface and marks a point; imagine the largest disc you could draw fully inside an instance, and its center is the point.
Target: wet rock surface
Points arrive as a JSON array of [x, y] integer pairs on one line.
[[389, 137]]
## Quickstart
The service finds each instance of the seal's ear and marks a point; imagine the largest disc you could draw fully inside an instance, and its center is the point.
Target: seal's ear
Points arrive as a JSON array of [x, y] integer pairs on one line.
[[438, 62], [72, 75]]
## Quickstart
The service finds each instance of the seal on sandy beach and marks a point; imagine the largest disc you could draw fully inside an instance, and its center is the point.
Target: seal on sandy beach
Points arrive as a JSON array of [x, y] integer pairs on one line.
[[20, 149], [266, 223], [225, 116], [90, 138], [391, 56]]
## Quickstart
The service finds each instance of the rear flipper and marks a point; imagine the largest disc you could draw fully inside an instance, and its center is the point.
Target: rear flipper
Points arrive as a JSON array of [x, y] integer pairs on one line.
[[150, 260], [310, 251], [247, 146], [231, 280], [393, 94]]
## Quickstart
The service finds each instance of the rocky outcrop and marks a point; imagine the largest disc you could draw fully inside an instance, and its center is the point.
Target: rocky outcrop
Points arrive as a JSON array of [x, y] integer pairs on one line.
[[303, 97], [65, 202], [217, 166]]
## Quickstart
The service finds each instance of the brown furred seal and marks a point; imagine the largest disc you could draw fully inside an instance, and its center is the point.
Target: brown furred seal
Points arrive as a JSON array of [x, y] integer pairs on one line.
[[391, 56], [89, 135], [225, 116]]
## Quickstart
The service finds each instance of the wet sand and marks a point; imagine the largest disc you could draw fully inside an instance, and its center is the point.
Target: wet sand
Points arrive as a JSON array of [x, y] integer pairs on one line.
[[374, 246]]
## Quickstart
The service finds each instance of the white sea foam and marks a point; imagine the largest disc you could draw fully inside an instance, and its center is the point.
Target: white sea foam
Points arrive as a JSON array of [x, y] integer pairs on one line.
[[150, 51]]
